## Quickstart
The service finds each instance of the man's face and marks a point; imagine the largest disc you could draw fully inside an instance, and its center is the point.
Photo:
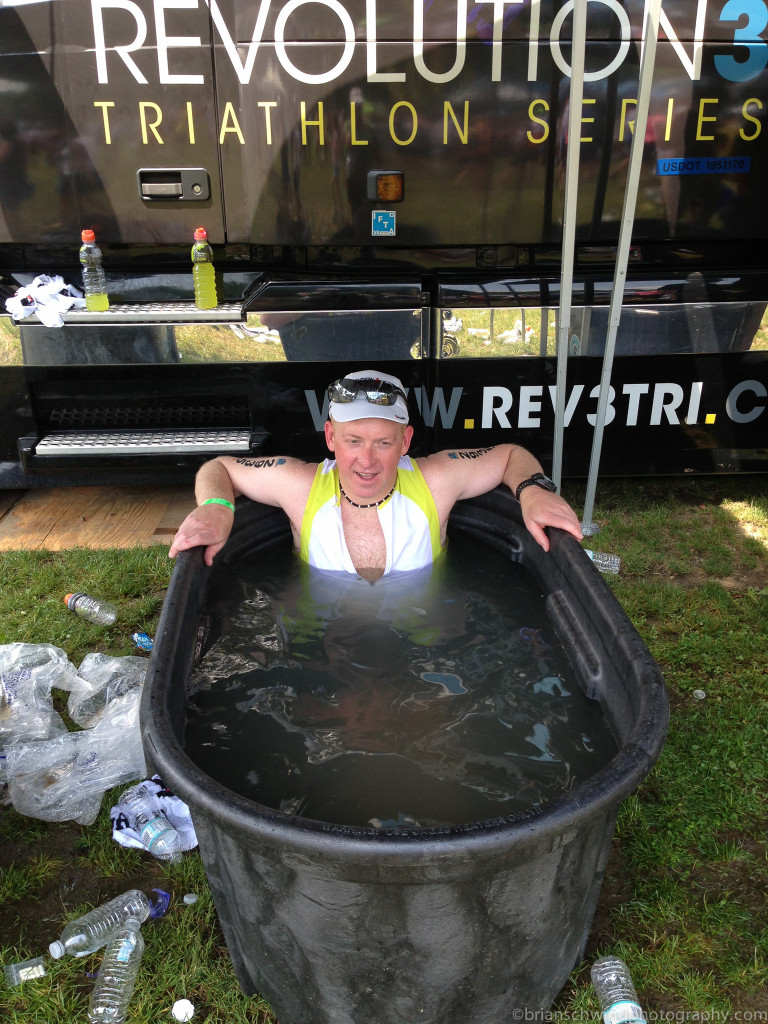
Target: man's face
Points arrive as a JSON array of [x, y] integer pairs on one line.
[[367, 453]]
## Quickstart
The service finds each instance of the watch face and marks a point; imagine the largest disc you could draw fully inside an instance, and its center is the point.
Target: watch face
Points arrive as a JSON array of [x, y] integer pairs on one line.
[[540, 480], [544, 481]]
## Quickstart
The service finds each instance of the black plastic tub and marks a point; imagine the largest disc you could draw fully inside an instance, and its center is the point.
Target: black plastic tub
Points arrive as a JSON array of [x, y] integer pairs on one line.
[[340, 925]]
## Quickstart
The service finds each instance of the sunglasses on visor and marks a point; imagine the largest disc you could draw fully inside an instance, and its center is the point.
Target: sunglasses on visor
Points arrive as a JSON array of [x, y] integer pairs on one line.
[[377, 392]]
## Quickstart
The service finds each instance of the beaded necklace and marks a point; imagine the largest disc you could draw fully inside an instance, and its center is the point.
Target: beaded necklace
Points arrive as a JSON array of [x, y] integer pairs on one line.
[[372, 504]]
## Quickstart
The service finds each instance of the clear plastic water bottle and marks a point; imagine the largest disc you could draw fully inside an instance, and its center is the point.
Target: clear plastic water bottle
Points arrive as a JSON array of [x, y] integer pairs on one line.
[[157, 833], [604, 562], [91, 608], [613, 985], [94, 279], [203, 273], [94, 929], [117, 975]]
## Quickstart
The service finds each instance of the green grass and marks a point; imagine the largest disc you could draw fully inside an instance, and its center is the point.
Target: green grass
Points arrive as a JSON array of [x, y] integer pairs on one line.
[[472, 346], [686, 888], [10, 342], [206, 343], [23, 880], [35, 582], [691, 845]]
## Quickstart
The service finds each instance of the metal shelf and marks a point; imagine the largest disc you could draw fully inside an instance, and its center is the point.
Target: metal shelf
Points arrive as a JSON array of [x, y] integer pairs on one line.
[[152, 312]]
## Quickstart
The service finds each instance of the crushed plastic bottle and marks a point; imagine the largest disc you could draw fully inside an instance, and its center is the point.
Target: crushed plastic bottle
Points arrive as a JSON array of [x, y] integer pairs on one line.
[[613, 984], [66, 777], [94, 279], [117, 975], [28, 672], [157, 834], [93, 930], [143, 641], [91, 608], [203, 273], [100, 680], [604, 561]]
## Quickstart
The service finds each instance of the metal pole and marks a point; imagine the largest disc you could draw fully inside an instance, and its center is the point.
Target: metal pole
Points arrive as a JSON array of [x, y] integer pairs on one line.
[[650, 36], [578, 47], [544, 331]]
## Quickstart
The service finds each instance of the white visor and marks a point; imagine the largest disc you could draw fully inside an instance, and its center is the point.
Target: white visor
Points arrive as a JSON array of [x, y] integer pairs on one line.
[[362, 409]]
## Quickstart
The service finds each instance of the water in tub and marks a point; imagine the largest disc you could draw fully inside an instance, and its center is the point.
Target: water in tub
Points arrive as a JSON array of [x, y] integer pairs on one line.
[[425, 699]]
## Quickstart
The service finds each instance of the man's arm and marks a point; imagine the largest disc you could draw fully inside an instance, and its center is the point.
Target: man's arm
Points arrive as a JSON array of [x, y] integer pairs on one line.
[[465, 473], [279, 481]]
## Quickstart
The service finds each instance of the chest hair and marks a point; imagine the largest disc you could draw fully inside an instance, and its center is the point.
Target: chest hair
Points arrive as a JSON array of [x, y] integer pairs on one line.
[[365, 540]]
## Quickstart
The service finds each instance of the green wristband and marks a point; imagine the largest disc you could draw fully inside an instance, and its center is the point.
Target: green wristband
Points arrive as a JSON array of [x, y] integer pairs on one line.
[[220, 501]]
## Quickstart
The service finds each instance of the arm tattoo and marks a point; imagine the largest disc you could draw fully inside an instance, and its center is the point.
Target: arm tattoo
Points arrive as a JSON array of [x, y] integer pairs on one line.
[[260, 463], [475, 453]]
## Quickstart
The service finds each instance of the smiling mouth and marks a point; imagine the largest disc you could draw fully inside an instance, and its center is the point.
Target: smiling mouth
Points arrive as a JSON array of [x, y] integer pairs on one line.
[[366, 477]]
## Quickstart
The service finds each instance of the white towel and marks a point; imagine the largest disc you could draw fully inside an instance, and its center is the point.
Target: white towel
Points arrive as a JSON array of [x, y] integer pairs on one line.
[[49, 297]]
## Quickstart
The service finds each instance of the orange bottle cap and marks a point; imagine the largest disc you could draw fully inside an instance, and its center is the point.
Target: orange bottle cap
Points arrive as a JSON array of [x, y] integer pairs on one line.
[[200, 234], [87, 235]]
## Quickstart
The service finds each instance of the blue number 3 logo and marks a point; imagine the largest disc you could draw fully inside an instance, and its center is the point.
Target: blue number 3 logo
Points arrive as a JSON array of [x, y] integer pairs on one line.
[[748, 37]]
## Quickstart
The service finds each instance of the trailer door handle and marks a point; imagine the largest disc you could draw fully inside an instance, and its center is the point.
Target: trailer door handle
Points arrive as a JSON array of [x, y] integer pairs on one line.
[[154, 189], [174, 183]]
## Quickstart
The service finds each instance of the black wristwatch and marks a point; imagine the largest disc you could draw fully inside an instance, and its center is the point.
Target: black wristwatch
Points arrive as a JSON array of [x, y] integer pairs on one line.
[[539, 480]]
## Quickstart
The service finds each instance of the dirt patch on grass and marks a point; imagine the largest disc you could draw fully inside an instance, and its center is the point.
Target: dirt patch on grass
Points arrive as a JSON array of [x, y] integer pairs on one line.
[[739, 582], [738, 882], [36, 918]]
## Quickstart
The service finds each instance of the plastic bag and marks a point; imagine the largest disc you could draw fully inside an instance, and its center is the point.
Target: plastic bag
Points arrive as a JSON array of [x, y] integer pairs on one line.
[[100, 679], [66, 777], [27, 674]]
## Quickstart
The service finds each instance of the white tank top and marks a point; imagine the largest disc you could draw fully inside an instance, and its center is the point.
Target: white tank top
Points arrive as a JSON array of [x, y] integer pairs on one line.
[[408, 519]]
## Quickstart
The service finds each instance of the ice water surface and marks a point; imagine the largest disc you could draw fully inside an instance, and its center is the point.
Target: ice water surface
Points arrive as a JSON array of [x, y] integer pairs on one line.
[[427, 699]]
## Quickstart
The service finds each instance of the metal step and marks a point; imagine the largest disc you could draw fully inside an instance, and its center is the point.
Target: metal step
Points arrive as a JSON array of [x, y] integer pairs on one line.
[[155, 313], [143, 442]]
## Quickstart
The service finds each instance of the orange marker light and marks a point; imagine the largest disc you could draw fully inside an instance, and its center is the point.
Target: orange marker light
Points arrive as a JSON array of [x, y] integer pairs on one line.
[[386, 186]]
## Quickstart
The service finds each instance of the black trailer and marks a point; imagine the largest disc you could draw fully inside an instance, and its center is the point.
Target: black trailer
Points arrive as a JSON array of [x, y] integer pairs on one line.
[[383, 185]]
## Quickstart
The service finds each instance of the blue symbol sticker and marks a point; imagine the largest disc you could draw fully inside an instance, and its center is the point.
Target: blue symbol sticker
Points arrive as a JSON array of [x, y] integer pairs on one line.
[[383, 222]]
